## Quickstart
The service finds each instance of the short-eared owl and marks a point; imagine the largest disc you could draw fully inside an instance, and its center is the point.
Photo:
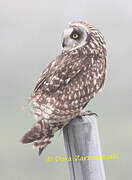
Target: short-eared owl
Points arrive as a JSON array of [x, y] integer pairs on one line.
[[68, 83]]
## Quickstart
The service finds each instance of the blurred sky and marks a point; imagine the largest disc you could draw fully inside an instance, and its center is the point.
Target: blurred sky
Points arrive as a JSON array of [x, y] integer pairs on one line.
[[30, 37]]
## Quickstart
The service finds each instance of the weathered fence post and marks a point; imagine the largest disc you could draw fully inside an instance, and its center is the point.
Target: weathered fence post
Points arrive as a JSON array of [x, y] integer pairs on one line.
[[81, 139]]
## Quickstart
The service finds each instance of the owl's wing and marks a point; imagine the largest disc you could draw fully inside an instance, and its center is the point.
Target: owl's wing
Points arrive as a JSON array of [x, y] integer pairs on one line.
[[45, 74], [58, 73]]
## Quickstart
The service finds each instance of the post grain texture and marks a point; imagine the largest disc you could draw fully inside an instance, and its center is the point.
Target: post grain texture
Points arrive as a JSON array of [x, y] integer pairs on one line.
[[81, 139]]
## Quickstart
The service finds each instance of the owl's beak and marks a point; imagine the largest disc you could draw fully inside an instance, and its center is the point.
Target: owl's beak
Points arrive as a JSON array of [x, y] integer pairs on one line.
[[63, 43], [66, 34]]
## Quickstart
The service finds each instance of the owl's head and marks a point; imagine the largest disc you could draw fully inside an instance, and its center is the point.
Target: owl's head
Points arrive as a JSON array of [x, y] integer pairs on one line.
[[79, 34], [74, 36]]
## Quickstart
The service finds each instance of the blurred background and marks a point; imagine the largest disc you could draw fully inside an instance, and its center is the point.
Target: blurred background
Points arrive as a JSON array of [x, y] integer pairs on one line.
[[30, 37]]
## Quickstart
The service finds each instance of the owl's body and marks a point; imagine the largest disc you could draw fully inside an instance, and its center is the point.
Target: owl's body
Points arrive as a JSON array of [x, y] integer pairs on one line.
[[68, 83]]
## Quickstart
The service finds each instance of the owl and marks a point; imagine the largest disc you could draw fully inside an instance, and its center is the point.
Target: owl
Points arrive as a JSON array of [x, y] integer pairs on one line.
[[68, 83]]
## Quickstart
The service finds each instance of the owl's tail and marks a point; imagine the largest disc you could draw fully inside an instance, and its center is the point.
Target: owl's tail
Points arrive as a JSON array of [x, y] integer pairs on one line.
[[41, 133]]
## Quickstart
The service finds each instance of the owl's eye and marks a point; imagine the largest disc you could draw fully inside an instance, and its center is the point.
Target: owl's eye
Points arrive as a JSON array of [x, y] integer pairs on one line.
[[75, 35]]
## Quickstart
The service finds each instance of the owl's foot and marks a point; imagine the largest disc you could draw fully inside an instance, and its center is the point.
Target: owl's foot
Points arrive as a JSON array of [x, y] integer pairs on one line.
[[87, 113]]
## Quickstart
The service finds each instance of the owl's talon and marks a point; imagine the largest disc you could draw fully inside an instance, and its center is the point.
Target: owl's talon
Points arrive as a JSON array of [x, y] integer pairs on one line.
[[88, 113]]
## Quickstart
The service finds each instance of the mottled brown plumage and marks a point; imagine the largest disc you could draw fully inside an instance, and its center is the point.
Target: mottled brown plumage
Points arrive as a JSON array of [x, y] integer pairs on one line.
[[68, 83]]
